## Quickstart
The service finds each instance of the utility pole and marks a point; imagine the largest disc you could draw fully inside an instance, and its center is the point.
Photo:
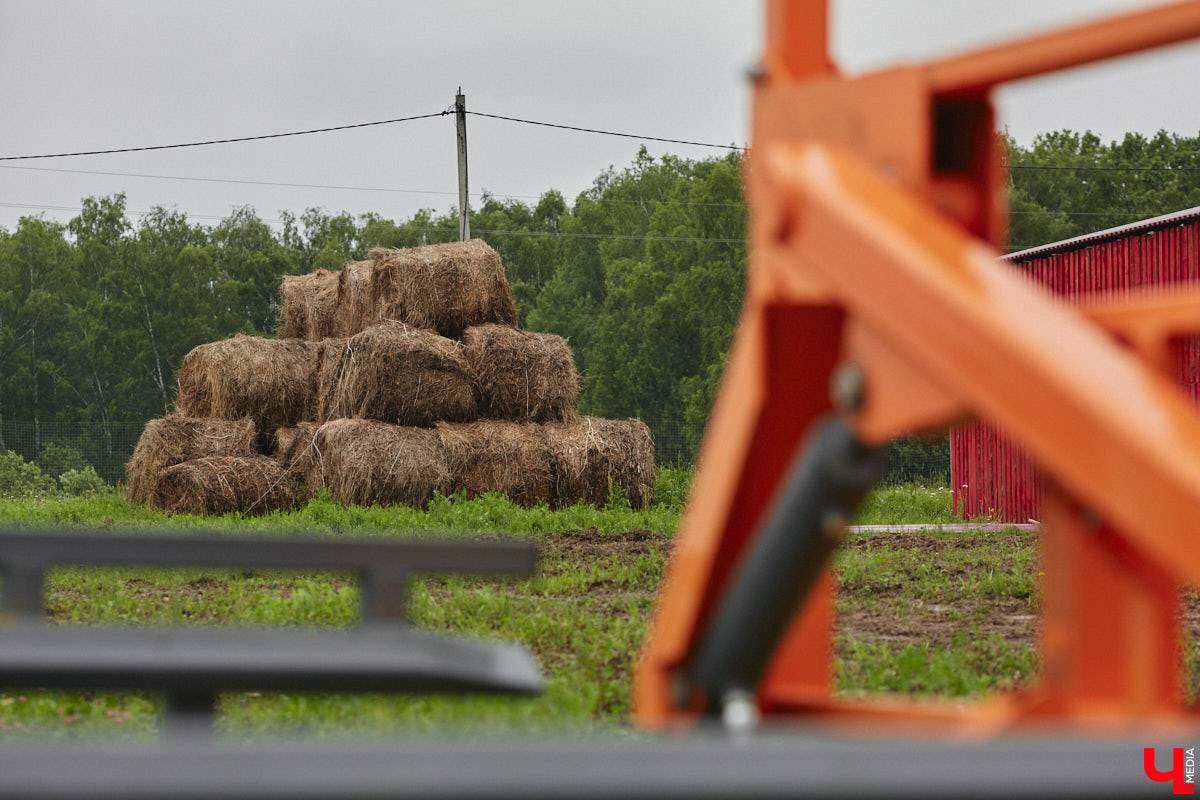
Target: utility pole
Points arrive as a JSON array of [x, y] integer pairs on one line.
[[464, 210]]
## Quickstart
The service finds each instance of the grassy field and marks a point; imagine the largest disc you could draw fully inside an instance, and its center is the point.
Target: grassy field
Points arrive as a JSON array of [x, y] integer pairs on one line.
[[933, 612]]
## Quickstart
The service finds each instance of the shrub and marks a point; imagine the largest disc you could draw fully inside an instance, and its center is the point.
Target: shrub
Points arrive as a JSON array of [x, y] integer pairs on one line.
[[672, 487], [79, 482], [20, 479], [56, 458]]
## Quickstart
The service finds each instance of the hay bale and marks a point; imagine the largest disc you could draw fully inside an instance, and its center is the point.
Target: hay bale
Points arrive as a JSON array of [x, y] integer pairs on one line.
[[221, 484], [394, 373], [174, 439], [293, 449], [442, 287], [491, 455], [354, 309], [271, 380], [365, 462], [588, 452], [520, 375], [307, 304]]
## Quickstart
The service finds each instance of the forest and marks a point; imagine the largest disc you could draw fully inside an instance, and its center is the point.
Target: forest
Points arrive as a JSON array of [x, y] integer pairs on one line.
[[643, 272]]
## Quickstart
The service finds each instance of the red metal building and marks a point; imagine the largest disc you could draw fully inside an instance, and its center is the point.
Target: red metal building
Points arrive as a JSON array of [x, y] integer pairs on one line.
[[991, 476]]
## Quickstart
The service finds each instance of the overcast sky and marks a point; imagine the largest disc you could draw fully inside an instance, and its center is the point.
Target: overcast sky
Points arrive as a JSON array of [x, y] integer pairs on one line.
[[90, 75]]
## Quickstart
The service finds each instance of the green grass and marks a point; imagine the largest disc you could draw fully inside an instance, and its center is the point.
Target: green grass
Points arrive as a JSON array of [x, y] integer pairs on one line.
[[491, 513], [918, 613], [970, 666], [908, 504]]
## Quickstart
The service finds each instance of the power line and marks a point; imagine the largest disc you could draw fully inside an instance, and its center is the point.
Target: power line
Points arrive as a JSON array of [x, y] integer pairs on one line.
[[361, 125], [348, 188], [1136, 214], [245, 182], [1105, 169], [226, 141], [128, 211], [605, 133]]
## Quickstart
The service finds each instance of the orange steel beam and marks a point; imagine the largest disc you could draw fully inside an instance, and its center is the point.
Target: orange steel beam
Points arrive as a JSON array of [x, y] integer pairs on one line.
[[1148, 321], [873, 204], [1117, 36]]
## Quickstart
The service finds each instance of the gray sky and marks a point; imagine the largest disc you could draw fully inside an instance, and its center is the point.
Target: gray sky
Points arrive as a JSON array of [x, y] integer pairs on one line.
[[89, 75]]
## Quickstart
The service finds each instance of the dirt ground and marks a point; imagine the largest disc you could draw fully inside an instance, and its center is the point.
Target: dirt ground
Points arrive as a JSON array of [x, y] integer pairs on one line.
[[876, 618], [894, 617]]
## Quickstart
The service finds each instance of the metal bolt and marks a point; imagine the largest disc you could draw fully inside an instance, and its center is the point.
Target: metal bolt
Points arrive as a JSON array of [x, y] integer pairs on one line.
[[739, 712]]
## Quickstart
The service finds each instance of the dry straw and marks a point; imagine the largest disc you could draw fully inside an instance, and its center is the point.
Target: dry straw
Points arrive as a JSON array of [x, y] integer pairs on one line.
[[354, 310], [271, 380], [442, 287], [590, 452], [396, 374], [307, 304], [504, 457], [364, 462], [521, 376], [221, 484], [174, 439], [293, 449]]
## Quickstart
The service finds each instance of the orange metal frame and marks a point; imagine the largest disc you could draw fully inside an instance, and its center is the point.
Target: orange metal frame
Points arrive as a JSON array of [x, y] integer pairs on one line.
[[877, 203]]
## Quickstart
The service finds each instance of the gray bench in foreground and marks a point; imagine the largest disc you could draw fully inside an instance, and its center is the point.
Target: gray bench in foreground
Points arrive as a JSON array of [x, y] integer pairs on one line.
[[190, 666]]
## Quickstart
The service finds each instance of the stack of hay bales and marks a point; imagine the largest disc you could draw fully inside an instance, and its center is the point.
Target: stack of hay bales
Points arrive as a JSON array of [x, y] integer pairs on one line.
[[393, 380]]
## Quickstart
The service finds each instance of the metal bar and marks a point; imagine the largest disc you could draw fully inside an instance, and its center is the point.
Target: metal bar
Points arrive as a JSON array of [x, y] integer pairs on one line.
[[796, 44], [981, 70], [384, 565], [830, 475], [189, 712], [212, 550], [801, 765]]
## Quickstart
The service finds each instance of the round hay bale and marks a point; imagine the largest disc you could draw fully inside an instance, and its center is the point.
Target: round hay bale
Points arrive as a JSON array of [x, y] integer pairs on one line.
[[307, 304], [492, 455], [354, 311], [520, 375], [590, 452], [327, 374], [271, 380], [293, 449], [443, 287], [221, 484], [365, 462], [174, 439], [396, 374]]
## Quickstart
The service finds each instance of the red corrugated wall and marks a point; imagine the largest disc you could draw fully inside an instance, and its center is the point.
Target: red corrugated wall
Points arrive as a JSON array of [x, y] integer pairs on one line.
[[992, 477]]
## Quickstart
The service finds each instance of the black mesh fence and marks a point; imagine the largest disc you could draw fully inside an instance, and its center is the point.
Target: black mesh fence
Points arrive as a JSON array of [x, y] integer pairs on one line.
[[922, 460], [57, 447], [912, 459]]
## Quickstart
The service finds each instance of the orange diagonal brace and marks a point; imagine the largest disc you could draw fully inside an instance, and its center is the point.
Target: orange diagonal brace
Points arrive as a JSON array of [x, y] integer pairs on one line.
[[1113, 430]]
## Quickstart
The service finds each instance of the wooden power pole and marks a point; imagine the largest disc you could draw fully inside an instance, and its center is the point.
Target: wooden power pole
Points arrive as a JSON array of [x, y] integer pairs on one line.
[[464, 209]]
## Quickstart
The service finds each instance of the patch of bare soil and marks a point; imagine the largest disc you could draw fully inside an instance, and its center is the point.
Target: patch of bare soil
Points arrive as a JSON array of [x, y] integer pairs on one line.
[[893, 616], [591, 543]]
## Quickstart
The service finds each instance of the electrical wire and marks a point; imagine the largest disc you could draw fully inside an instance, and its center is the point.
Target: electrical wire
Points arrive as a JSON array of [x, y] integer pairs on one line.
[[1105, 169], [226, 141], [351, 188], [605, 133]]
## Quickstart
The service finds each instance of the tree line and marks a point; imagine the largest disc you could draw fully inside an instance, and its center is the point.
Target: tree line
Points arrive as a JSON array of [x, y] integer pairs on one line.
[[643, 273]]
